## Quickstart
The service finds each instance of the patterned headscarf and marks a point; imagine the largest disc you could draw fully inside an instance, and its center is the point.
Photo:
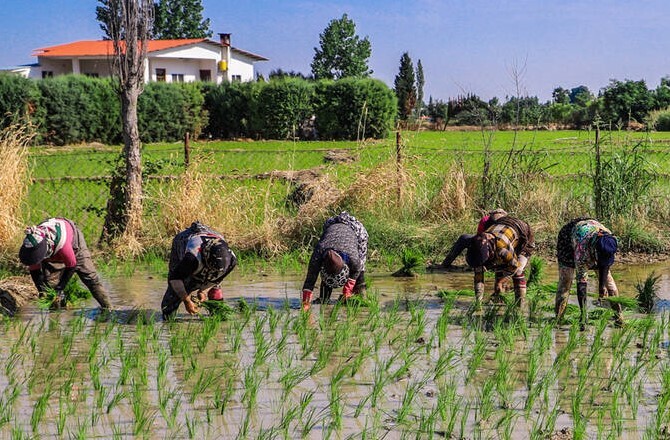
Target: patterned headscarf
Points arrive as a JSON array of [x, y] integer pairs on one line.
[[335, 280]]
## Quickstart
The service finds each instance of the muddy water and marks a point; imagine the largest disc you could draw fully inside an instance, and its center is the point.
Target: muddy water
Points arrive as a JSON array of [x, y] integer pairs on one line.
[[196, 414], [146, 291]]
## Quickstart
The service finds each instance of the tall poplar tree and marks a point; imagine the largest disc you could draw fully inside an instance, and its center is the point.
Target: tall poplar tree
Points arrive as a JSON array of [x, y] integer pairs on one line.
[[341, 53], [129, 25], [173, 19], [180, 19]]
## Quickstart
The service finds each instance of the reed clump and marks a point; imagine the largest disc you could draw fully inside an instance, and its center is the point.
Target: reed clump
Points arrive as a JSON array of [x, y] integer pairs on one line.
[[14, 180]]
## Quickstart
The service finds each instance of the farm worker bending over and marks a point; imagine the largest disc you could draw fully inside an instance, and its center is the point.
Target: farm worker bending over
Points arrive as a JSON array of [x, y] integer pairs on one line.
[[199, 260], [584, 244], [339, 257], [53, 251], [505, 248], [464, 240]]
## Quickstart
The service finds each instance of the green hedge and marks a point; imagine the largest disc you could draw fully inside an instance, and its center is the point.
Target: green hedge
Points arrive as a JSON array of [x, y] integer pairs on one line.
[[283, 106], [73, 109], [79, 109], [19, 97], [167, 111], [354, 109], [231, 109]]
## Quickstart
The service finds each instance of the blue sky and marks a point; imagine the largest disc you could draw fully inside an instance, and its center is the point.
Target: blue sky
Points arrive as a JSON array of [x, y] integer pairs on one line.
[[465, 46]]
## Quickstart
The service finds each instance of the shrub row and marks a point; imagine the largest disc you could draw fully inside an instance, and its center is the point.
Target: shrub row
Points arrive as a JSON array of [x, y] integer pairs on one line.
[[73, 109]]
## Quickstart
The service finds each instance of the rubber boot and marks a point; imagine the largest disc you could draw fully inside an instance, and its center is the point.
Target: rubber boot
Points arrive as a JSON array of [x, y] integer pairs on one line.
[[519, 282], [581, 297]]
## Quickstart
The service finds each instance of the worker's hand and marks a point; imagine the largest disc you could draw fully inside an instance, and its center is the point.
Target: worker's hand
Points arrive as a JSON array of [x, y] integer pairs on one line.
[[348, 288], [191, 308], [202, 296], [306, 299], [59, 300]]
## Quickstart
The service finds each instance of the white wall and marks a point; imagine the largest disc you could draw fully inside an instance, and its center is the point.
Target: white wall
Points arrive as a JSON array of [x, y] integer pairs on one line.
[[189, 68], [240, 65]]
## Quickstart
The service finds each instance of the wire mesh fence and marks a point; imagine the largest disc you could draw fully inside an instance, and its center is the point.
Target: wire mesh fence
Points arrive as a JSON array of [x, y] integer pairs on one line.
[[551, 175]]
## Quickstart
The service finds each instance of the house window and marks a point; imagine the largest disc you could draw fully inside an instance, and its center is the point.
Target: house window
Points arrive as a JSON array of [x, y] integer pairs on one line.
[[205, 75], [236, 78], [177, 77], [160, 75], [47, 74]]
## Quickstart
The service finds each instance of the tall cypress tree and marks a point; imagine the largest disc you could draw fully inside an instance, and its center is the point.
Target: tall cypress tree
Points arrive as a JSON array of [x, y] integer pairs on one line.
[[420, 81], [405, 87]]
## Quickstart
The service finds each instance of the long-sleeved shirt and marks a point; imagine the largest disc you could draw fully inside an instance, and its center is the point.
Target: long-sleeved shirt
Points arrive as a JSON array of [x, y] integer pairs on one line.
[[192, 266], [59, 234], [584, 236], [504, 255], [343, 239]]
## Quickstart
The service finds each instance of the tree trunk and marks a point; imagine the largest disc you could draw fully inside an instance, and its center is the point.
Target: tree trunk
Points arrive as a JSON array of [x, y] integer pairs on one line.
[[133, 155], [124, 206]]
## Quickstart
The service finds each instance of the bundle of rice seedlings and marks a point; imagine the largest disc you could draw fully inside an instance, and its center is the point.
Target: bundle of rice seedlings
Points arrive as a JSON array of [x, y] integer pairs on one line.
[[536, 270], [628, 303], [647, 292], [14, 179], [73, 295], [411, 261], [218, 309]]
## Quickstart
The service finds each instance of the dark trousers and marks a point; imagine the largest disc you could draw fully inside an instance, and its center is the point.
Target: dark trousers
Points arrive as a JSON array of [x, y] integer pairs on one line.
[[459, 246], [85, 269]]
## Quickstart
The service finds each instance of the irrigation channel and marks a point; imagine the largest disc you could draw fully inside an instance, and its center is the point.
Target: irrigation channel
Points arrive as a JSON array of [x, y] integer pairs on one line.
[[410, 364]]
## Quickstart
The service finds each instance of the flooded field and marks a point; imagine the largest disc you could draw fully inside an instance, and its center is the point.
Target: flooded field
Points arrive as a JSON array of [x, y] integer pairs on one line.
[[408, 364]]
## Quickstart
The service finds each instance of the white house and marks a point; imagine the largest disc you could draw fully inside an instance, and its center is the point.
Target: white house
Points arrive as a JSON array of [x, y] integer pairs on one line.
[[183, 60]]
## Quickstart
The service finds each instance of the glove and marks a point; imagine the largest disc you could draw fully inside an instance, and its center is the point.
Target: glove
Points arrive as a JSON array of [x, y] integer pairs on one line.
[[215, 293], [306, 299], [348, 288]]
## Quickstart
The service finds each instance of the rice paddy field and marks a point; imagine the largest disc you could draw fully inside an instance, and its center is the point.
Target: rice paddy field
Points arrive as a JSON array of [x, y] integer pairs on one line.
[[411, 360]]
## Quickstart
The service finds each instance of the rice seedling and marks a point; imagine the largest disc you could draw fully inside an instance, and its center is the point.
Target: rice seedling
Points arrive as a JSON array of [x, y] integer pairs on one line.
[[218, 310], [477, 355], [411, 391], [206, 378], [192, 424], [40, 408], [252, 381]]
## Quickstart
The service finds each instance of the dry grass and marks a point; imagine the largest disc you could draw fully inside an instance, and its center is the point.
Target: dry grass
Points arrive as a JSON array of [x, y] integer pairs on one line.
[[14, 180], [454, 198], [387, 190]]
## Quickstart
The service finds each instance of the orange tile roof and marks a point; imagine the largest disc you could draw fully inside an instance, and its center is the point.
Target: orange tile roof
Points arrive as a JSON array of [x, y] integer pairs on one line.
[[105, 47]]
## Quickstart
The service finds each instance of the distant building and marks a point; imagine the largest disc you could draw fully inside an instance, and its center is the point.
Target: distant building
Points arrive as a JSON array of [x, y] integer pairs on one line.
[[185, 60]]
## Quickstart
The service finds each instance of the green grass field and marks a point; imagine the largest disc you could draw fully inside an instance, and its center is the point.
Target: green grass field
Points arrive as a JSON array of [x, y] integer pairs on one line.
[[424, 199]]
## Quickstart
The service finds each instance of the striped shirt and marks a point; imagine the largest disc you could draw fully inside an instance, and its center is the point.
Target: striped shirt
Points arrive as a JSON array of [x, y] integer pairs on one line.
[[504, 256]]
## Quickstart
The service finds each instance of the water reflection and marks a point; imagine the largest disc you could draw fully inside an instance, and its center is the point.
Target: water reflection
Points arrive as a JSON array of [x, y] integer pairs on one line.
[[142, 290]]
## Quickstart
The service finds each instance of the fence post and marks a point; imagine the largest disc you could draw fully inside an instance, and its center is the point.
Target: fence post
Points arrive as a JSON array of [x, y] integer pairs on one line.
[[398, 163], [187, 149], [597, 175]]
